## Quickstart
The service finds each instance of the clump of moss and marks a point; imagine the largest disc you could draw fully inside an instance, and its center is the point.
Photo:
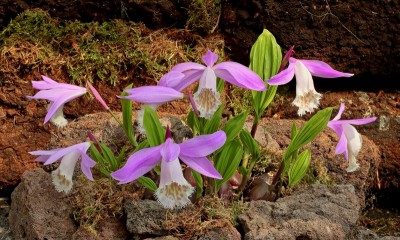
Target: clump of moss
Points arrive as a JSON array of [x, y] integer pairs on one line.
[[94, 202], [204, 15], [112, 51]]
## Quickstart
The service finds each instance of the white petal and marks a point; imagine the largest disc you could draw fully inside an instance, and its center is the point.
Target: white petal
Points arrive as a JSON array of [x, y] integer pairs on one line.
[[62, 176], [354, 144], [207, 102], [174, 191], [58, 118], [307, 99]]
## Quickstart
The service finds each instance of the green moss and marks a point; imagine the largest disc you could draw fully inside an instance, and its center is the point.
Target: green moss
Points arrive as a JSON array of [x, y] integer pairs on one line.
[[112, 51], [204, 15]]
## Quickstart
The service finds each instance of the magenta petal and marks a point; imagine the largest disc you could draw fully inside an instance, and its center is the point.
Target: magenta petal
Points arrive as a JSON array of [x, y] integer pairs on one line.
[[201, 165], [63, 99], [152, 94], [357, 121], [239, 75], [86, 164], [138, 164], [202, 146], [170, 150], [340, 112], [190, 77], [171, 79], [187, 66], [81, 147], [321, 69], [284, 76], [210, 58]]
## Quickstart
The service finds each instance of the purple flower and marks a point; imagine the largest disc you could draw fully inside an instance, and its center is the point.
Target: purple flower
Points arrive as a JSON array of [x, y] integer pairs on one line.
[[174, 190], [207, 98], [58, 94], [307, 99], [152, 96], [350, 141], [62, 176]]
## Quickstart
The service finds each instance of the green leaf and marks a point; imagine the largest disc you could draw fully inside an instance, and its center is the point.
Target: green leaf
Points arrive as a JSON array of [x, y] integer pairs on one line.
[[294, 130], [310, 130], [306, 134], [227, 162], [121, 156], [265, 60], [127, 117], [220, 85], [154, 130], [234, 126], [193, 122], [299, 167], [199, 183], [144, 144], [250, 143], [212, 125], [109, 157], [148, 183], [96, 155]]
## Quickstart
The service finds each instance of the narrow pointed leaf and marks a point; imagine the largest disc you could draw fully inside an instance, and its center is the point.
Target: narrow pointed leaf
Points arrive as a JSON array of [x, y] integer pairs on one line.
[[228, 161], [249, 143], [234, 126], [127, 123], [154, 130], [212, 125], [148, 183], [199, 183], [299, 168]]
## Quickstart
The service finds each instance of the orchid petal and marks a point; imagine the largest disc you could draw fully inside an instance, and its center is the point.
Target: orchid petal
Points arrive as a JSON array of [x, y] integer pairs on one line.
[[152, 94], [174, 190], [340, 112], [201, 165], [86, 164], [210, 58], [190, 77], [169, 150], [284, 76], [81, 147], [202, 146], [187, 66], [138, 164], [323, 70], [171, 79], [239, 75], [357, 121]]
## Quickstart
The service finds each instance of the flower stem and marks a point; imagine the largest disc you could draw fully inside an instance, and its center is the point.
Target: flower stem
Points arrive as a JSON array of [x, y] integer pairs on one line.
[[116, 118]]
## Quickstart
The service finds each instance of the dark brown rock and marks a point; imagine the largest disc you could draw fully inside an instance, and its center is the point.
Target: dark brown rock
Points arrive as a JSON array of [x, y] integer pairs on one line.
[[38, 211]]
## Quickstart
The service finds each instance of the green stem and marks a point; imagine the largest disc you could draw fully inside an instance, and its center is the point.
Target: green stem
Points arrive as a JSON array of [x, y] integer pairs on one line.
[[116, 118]]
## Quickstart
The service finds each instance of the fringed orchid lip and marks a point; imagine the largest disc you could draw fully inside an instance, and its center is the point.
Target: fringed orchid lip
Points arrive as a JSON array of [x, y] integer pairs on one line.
[[62, 176], [58, 94], [350, 141], [174, 190], [307, 98]]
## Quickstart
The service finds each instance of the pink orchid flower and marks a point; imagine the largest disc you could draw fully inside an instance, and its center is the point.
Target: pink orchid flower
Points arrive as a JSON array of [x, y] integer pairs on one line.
[[207, 98], [350, 141], [174, 190], [62, 176], [58, 94], [307, 99]]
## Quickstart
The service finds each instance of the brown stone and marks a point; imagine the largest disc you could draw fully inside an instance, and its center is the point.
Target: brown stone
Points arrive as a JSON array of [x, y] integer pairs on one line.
[[38, 211]]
